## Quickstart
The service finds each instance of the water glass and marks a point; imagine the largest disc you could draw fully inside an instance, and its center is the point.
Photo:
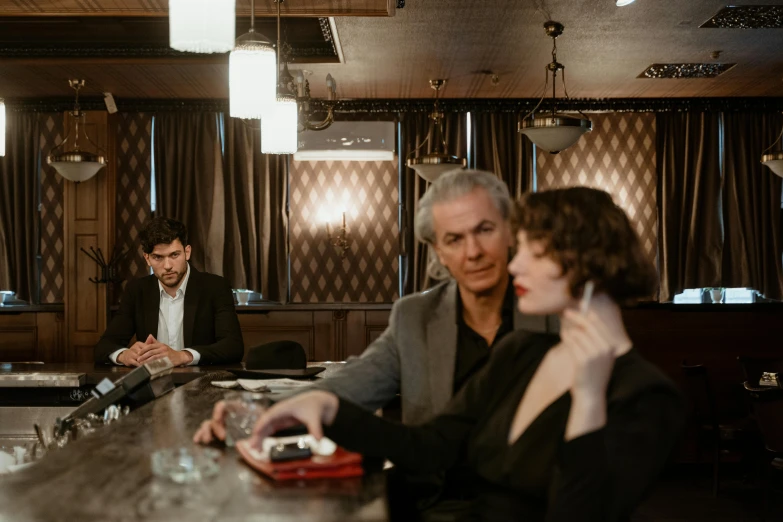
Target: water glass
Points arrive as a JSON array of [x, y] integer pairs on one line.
[[242, 411]]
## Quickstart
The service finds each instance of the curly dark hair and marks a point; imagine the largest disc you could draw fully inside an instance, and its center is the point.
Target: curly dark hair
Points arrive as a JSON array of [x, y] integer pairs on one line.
[[591, 238], [162, 231]]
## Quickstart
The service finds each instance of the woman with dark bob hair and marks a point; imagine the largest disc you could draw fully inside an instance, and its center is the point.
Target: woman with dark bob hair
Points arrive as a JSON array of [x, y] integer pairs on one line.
[[556, 428]]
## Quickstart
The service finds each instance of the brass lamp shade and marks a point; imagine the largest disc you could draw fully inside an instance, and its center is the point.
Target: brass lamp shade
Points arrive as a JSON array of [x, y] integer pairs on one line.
[[774, 161], [555, 132], [432, 166], [76, 165]]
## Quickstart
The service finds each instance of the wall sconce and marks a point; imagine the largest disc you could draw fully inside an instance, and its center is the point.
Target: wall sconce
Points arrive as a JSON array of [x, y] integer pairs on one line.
[[340, 237]]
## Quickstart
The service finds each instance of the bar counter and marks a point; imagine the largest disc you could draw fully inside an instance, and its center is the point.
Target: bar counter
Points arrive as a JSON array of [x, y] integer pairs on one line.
[[107, 476]]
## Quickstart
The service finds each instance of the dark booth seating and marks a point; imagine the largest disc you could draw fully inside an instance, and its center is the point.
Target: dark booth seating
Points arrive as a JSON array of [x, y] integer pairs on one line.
[[768, 409], [721, 436], [278, 355]]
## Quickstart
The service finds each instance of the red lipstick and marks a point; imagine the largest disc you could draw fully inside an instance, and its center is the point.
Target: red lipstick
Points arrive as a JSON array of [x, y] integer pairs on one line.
[[520, 290]]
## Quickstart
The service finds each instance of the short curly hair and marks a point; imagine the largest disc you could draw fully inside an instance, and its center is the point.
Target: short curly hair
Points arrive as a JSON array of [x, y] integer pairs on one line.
[[591, 238], [162, 231]]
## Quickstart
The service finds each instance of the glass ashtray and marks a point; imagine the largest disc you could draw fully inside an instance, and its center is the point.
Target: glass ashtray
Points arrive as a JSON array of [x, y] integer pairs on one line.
[[185, 465]]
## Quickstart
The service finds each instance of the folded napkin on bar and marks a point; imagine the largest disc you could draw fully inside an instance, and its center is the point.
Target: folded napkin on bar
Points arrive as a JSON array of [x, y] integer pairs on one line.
[[267, 385], [340, 464]]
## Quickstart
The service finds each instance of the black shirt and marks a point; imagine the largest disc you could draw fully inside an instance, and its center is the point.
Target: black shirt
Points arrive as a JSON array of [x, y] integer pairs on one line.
[[472, 349], [600, 476]]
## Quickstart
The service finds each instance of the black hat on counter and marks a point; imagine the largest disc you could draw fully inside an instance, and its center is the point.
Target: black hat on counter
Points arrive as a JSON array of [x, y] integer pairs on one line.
[[278, 355]]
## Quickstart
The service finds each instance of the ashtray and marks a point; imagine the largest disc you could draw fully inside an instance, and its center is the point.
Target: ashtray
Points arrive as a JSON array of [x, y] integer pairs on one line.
[[185, 465]]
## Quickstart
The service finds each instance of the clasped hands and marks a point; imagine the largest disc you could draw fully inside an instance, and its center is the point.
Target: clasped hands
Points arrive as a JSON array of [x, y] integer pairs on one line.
[[150, 350]]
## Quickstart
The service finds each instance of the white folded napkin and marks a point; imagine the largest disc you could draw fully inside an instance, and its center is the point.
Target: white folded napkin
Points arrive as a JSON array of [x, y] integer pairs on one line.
[[265, 385], [323, 447]]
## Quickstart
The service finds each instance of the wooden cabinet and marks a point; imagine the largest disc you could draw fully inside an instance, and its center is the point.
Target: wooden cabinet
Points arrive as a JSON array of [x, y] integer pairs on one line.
[[32, 337]]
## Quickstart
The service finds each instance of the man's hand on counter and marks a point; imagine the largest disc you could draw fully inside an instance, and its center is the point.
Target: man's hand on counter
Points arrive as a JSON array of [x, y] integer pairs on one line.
[[150, 350]]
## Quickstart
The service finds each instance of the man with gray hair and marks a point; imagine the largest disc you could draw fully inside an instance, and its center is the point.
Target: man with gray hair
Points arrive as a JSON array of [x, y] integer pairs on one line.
[[438, 338]]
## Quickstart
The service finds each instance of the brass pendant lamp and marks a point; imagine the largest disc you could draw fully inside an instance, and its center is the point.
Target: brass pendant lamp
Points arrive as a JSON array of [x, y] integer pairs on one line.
[[431, 166], [75, 164], [554, 132]]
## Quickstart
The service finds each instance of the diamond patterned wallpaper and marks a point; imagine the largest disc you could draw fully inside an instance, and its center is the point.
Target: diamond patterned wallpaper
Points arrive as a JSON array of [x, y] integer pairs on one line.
[[368, 192], [134, 175], [618, 156], [52, 265]]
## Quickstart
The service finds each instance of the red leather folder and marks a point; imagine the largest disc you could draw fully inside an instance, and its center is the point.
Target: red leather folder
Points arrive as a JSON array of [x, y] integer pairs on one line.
[[341, 464]]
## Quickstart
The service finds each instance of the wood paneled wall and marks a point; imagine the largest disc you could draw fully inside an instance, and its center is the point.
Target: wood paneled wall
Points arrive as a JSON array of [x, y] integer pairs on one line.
[[326, 335]]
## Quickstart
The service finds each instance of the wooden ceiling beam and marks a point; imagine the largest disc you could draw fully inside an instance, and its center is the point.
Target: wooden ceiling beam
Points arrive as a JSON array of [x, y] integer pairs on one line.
[[140, 8]]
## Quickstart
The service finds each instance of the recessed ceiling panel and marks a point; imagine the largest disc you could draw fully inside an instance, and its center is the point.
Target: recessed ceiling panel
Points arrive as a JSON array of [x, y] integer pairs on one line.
[[747, 17], [686, 70]]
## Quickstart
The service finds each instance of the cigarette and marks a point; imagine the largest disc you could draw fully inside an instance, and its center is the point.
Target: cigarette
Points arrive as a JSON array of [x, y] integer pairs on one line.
[[586, 296]]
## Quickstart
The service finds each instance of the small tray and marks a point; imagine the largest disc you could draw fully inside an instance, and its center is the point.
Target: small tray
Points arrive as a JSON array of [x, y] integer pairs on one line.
[[304, 373]]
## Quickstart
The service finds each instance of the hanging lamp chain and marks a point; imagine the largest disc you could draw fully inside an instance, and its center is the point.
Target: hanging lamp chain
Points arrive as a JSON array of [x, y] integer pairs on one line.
[[777, 140]]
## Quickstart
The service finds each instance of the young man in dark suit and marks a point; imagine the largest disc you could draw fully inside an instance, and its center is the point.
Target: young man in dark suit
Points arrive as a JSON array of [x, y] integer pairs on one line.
[[177, 312]]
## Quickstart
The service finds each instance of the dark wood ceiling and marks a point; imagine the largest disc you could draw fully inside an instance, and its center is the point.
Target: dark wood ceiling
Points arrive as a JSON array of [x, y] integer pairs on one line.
[[375, 50], [159, 8]]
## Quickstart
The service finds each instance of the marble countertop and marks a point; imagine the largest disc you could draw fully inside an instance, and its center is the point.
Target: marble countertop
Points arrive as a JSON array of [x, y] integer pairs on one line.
[[91, 373], [107, 476]]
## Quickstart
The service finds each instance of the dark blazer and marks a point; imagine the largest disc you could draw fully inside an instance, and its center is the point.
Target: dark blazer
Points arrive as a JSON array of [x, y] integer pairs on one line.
[[415, 356], [210, 323]]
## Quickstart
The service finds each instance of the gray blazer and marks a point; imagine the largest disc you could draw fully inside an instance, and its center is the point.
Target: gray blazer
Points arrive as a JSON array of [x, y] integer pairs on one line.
[[415, 356]]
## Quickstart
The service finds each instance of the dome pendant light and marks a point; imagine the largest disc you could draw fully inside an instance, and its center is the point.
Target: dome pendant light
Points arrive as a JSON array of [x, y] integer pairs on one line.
[[431, 166], [774, 160], [554, 132], [76, 165]]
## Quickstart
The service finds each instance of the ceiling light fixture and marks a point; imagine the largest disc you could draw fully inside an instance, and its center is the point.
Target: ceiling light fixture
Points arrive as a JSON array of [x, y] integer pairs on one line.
[[76, 165], [306, 111], [774, 160], [554, 132], [279, 122], [431, 166], [252, 77], [202, 26], [622, 3]]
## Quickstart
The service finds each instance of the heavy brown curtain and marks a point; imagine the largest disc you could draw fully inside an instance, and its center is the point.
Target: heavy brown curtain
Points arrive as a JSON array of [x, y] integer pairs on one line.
[[753, 246], [416, 127], [256, 246], [189, 181], [18, 206], [499, 148], [690, 237]]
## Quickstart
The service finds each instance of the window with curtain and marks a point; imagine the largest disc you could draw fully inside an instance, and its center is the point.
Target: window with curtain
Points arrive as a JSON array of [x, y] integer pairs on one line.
[[720, 214], [19, 208]]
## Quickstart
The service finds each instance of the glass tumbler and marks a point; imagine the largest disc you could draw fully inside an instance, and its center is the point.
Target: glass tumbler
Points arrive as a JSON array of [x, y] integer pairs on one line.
[[242, 410]]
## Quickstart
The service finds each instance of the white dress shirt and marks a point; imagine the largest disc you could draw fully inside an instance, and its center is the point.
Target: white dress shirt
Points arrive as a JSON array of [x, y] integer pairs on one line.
[[170, 321]]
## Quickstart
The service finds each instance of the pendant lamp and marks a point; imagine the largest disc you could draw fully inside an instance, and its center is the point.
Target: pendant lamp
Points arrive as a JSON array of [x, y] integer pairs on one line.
[[75, 164], [202, 26], [433, 165], [280, 118], [774, 160], [252, 78], [554, 132]]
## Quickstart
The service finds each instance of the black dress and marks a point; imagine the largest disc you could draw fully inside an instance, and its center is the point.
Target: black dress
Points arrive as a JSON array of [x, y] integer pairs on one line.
[[600, 476]]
